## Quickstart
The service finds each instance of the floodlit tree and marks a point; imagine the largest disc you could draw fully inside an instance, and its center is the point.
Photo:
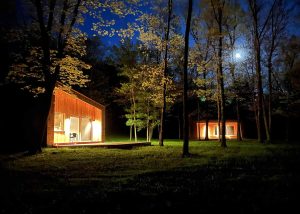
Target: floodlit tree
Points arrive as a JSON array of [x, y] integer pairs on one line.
[[45, 63], [202, 57], [157, 34], [153, 84], [218, 8], [163, 112], [128, 91], [126, 58], [142, 96], [54, 55]]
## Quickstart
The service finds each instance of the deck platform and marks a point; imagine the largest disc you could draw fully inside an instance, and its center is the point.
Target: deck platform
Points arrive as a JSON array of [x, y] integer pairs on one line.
[[116, 145]]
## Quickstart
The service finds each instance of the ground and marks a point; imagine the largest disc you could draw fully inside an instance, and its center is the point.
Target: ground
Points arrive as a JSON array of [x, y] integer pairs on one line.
[[246, 177]]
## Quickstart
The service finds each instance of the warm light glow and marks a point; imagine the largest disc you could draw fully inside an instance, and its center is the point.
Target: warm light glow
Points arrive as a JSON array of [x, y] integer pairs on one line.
[[86, 129], [213, 130], [67, 129], [204, 131], [74, 120], [97, 130]]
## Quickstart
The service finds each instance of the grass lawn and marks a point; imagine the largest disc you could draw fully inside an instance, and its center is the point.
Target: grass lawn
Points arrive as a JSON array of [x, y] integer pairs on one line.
[[246, 177]]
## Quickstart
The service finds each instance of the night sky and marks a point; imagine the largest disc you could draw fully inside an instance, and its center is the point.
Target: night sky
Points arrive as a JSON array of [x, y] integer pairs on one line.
[[179, 7]]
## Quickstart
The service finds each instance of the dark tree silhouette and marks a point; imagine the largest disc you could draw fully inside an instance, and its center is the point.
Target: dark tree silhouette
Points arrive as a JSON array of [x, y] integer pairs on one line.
[[185, 151], [163, 110]]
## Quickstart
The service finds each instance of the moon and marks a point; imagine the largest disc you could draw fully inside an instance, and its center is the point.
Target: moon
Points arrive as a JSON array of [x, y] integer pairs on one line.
[[238, 55]]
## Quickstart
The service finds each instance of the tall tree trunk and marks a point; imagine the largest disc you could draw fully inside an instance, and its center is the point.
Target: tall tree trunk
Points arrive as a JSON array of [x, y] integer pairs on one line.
[[236, 101], [150, 133], [162, 119], [270, 71], [147, 134], [218, 9], [238, 117], [259, 105], [206, 129], [265, 116], [287, 125], [39, 126], [218, 106], [130, 133], [206, 106], [148, 122], [185, 151], [220, 57], [258, 31], [219, 112], [134, 116], [131, 115], [279, 17], [179, 128], [163, 110]]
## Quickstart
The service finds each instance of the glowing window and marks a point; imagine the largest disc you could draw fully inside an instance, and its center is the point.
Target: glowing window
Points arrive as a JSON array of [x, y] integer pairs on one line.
[[229, 130], [58, 121], [86, 129], [74, 128], [215, 130]]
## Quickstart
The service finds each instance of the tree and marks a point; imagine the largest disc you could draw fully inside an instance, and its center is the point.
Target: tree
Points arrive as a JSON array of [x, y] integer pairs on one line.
[[57, 36], [128, 91], [144, 87], [157, 34], [163, 112], [185, 151], [47, 64], [153, 84], [258, 32], [232, 26], [290, 83], [218, 11], [275, 33], [202, 56], [126, 59]]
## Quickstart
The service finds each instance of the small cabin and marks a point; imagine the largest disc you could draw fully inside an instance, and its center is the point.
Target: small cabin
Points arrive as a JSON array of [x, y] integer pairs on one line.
[[213, 130], [74, 119]]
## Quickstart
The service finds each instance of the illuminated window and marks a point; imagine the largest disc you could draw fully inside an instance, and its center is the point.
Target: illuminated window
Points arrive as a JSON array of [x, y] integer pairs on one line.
[[216, 130], [229, 130], [74, 129], [86, 129], [58, 121]]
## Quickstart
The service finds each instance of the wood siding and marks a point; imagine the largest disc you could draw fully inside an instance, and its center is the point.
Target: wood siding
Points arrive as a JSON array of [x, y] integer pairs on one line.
[[73, 104]]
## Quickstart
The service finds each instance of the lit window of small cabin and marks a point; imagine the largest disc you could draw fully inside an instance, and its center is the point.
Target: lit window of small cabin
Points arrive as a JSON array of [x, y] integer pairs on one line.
[[58, 121], [229, 130], [216, 130]]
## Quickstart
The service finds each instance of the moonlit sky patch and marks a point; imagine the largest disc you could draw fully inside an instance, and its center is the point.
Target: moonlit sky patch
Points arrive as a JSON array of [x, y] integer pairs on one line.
[[238, 55]]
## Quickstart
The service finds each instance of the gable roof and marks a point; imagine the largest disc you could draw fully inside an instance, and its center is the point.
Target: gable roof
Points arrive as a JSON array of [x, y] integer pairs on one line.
[[79, 95]]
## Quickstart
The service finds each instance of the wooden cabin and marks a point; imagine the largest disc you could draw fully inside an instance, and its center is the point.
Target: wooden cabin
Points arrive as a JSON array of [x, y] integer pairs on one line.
[[213, 129], [74, 119]]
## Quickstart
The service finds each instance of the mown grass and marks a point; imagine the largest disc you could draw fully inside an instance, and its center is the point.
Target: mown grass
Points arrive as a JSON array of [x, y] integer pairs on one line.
[[245, 177]]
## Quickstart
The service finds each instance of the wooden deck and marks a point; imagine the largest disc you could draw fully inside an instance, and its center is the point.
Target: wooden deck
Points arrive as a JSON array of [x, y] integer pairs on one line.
[[117, 145]]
